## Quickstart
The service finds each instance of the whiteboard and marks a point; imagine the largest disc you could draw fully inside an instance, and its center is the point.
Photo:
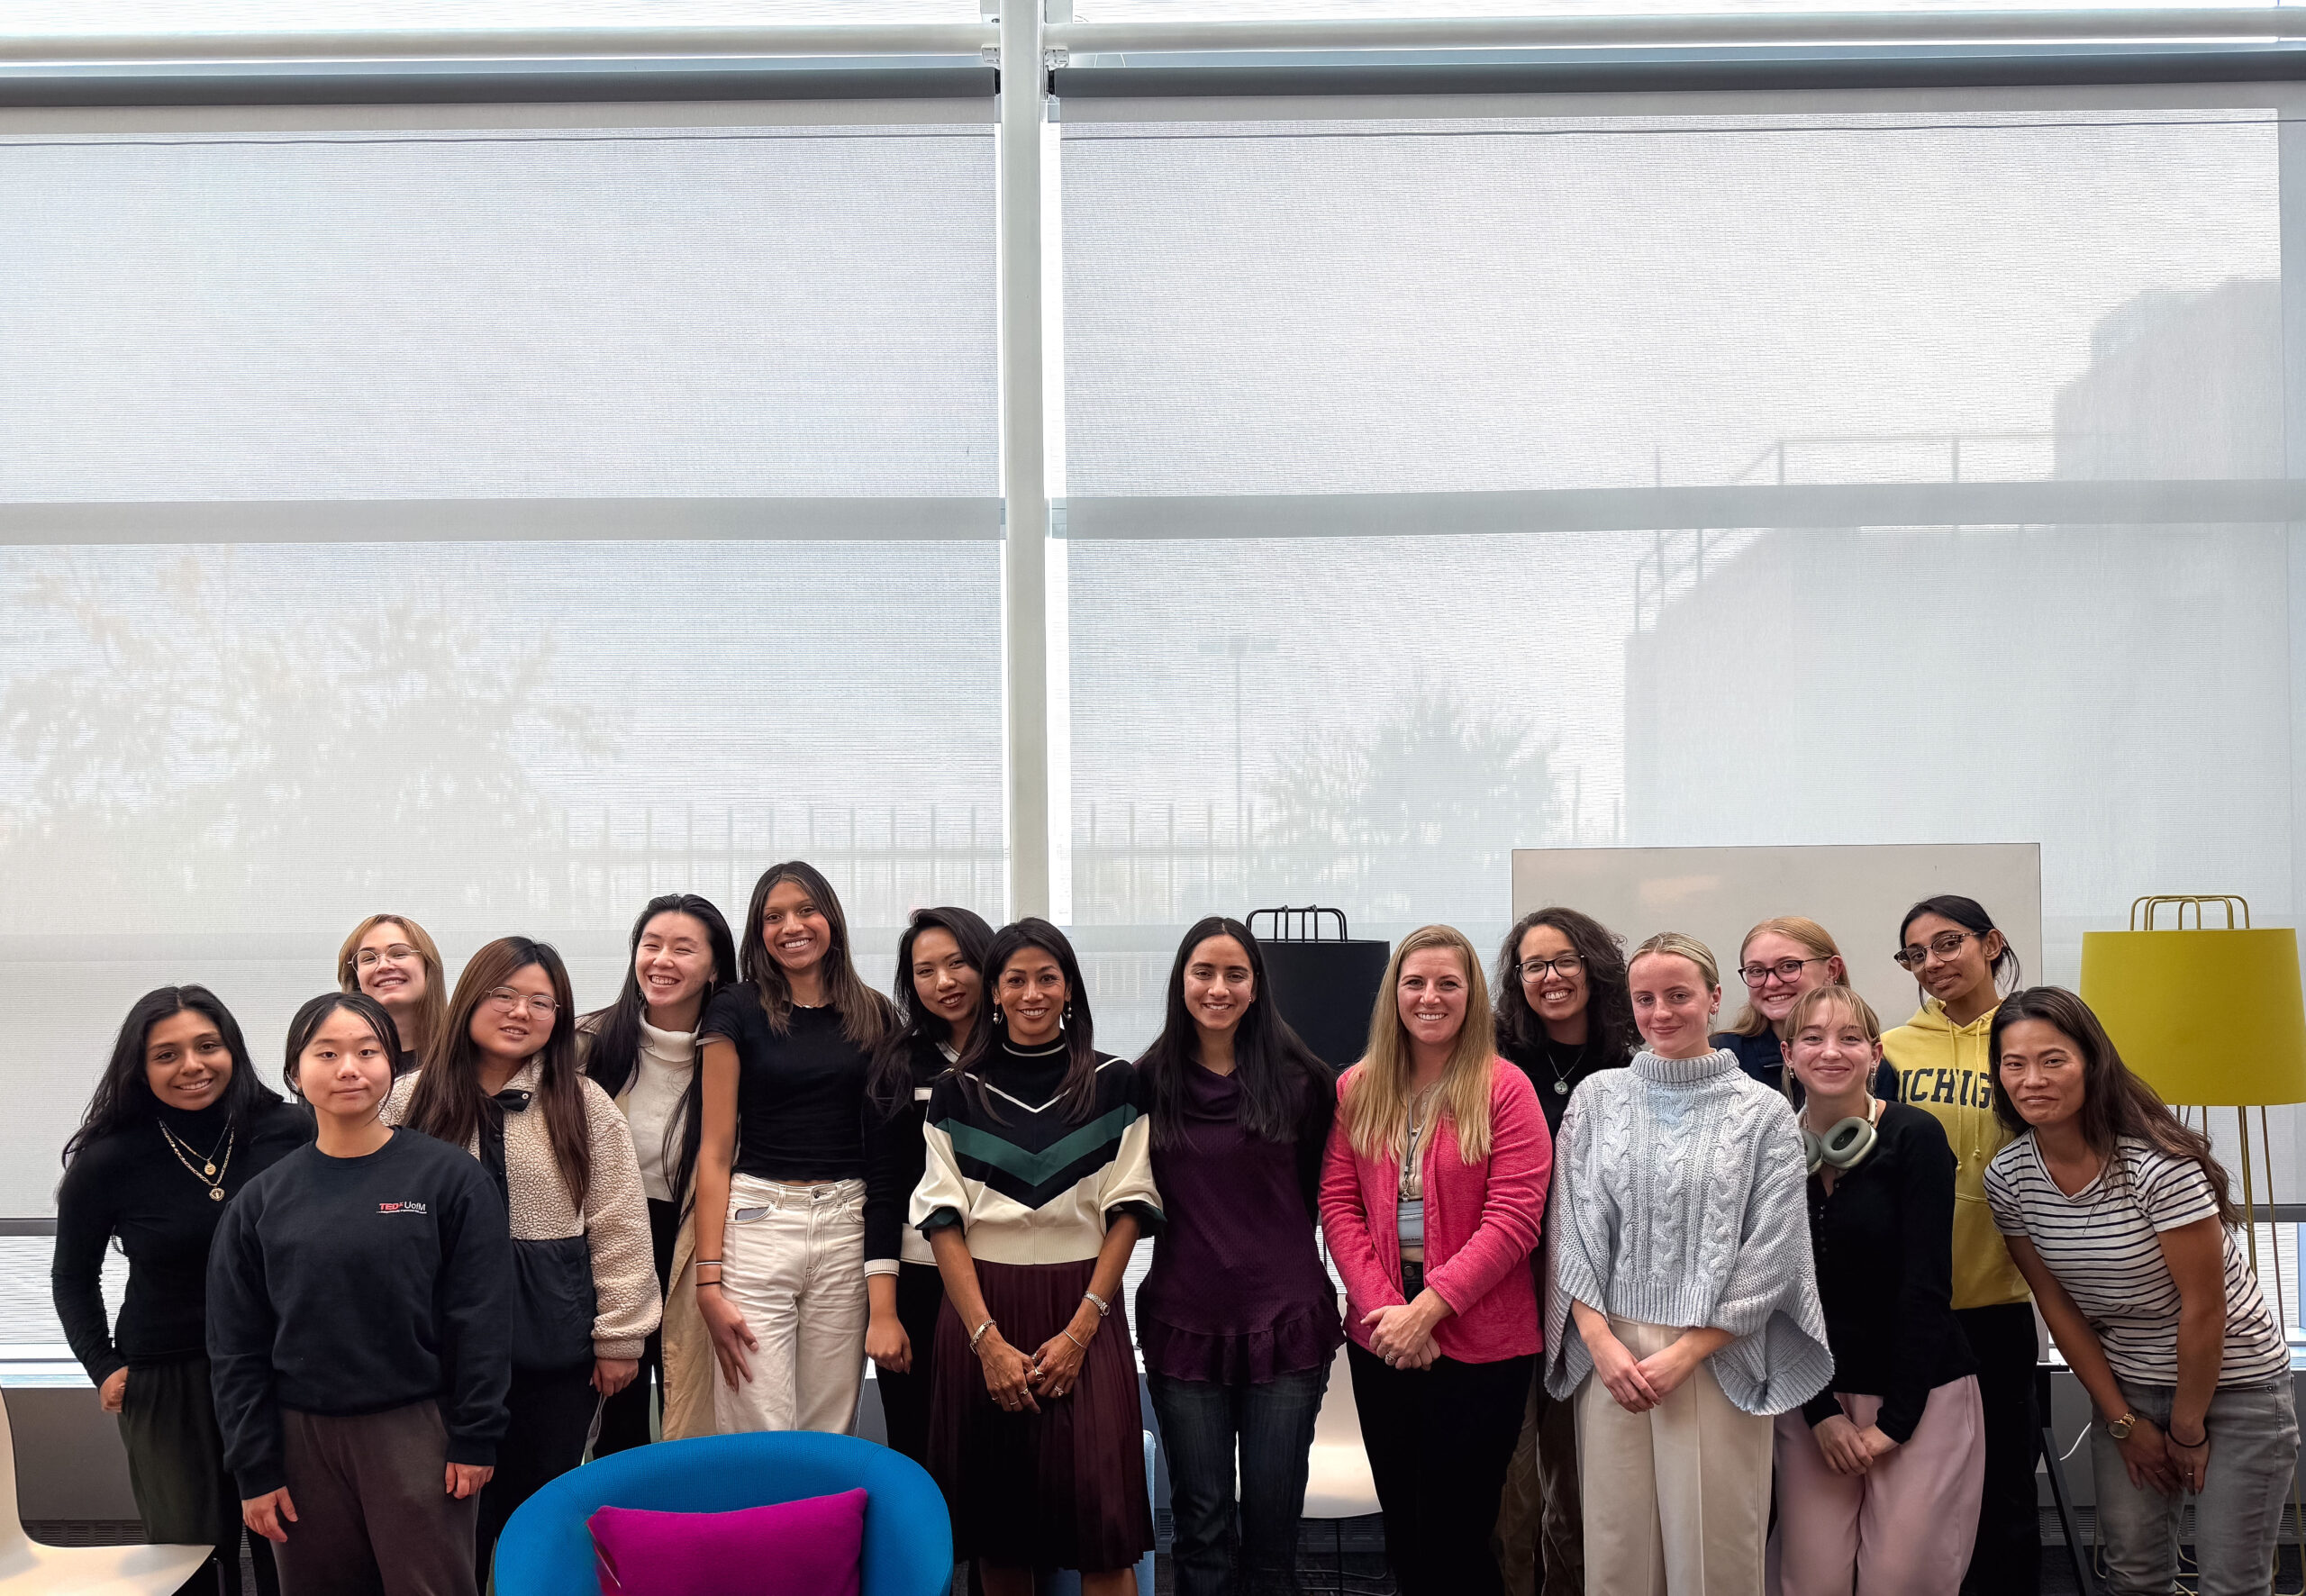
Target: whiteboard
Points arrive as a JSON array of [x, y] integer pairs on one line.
[[1859, 893]]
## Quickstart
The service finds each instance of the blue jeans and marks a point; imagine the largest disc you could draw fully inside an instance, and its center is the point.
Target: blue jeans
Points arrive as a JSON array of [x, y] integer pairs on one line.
[[2253, 1449], [1271, 1425]]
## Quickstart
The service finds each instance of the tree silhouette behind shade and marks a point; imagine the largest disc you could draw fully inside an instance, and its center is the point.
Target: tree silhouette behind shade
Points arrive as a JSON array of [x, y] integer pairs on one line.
[[1414, 815], [269, 772]]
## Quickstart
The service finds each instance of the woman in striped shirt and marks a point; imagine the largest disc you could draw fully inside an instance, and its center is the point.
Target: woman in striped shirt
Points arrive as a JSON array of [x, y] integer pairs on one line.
[[2118, 1217]]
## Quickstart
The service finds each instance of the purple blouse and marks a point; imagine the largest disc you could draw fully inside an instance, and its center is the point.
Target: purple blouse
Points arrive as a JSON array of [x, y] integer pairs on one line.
[[1236, 1294]]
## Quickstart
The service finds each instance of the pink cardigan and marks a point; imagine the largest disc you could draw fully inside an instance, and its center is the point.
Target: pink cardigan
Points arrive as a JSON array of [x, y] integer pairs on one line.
[[1481, 1225]]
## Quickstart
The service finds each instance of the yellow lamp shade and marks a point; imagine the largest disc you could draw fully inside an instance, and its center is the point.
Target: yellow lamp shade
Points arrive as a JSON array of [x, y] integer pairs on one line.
[[2207, 1017]]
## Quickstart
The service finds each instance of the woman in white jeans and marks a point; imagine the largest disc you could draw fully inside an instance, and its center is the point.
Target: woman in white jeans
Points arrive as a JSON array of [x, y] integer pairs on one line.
[[2118, 1217], [780, 1175]]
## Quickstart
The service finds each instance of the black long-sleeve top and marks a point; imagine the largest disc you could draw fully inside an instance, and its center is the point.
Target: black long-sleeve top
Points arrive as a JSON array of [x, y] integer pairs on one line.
[[896, 1155], [129, 1184], [344, 1286], [1885, 1243], [1554, 1069]]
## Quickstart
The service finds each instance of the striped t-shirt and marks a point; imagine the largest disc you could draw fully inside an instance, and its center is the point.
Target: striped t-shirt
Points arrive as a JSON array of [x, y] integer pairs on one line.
[[2103, 1245]]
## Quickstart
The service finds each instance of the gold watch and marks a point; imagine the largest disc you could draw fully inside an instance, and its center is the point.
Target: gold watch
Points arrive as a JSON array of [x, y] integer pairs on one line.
[[2121, 1427]]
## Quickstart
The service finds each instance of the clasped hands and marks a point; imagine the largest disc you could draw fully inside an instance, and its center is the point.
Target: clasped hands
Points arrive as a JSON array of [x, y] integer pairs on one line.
[[1402, 1333], [1015, 1379], [1639, 1384]]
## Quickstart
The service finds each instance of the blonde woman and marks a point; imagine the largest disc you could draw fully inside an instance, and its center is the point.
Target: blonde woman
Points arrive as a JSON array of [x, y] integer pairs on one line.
[[1432, 1193], [1683, 1310], [1781, 961], [394, 960]]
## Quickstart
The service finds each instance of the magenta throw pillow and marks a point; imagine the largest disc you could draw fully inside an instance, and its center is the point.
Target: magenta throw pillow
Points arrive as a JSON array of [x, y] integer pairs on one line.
[[810, 1547]]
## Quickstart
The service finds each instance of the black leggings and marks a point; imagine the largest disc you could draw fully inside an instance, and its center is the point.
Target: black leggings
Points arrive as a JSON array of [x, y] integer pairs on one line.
[[905, 1398], [550, 1415], [625, 1417], [2006, 1560], [1439, 1441]]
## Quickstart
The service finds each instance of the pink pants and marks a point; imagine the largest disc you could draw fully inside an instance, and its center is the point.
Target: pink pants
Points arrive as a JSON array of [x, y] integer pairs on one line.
[[1902, 1529]]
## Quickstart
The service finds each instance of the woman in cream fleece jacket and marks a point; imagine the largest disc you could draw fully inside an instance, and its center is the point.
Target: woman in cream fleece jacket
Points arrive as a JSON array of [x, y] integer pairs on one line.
[[1681, 1311], [501, 1082]]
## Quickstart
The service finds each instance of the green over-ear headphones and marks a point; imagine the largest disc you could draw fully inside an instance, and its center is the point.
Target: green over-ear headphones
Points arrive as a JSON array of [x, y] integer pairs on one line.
[[1844, 1147]]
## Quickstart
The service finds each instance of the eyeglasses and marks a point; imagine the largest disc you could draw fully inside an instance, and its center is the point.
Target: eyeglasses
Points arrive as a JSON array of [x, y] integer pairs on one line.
[[1784, 969], [505, 1000], [1564, 964], [399, 953], [1944, 945]]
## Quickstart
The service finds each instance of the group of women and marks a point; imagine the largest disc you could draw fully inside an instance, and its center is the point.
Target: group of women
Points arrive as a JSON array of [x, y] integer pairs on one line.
[[1620, 1292]]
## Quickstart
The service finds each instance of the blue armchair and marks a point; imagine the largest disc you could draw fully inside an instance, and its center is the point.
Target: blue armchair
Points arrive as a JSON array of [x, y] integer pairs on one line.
[[546, 1550]]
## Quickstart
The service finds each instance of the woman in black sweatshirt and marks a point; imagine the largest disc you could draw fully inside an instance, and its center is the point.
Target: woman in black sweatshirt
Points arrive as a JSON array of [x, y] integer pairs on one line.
[[359, 1316], [179, 1123]]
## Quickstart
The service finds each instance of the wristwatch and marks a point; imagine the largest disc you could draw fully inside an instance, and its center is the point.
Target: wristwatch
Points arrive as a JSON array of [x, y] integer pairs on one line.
[[2121, 1427]]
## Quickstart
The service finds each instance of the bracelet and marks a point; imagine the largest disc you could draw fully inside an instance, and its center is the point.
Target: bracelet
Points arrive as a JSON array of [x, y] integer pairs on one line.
[[1076, 1340], [706, 1262], [2188, 1445], [1103, 1307], [703, 1284], [977, 1334]]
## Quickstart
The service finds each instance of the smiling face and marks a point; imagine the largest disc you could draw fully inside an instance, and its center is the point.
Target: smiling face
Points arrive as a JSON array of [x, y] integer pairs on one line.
[[1774, 993], [1032, 993], [344, 1072], [1673, 1004], [1218, 985], [1555, 990], [513, 1022], [672, 961], [1429, 995], [1831, 1054], [2042, 1071], [1957, 963], [793, 928], [944, 982], [388, 968], [186, 1062]]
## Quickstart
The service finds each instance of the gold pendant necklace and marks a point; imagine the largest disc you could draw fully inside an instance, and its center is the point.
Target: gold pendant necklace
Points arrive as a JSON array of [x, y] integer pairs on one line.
[[209, 1172]]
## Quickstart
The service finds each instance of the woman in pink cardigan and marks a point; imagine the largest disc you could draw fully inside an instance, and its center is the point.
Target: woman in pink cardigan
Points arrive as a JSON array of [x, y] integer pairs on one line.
[[1431, 1194]]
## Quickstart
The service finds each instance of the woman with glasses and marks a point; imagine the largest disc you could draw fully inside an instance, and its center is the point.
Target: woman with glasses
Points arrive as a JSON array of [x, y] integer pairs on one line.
[[1562, 1015], [1781, 962], [390, 957], [781, 1171], [1942, 1055], [641, 1050], [503, 1082]]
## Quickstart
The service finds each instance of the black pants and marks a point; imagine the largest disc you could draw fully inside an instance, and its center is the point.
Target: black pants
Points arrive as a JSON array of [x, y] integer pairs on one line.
[[1439, 1441], [905, 1398], [176, 1466], [2008, 1558], [550, 1415], [625, 1417]]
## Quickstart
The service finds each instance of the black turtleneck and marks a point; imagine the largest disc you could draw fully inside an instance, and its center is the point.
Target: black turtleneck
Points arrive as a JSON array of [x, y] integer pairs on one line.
[[129, 1184]]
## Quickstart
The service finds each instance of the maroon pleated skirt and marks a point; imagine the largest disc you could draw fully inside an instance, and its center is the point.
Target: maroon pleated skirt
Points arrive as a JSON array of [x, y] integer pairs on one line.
[[1062, 1488]]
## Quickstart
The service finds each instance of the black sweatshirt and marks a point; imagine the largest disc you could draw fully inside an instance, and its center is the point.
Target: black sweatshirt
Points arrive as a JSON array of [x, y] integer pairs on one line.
[[895, 1153], [129, 1184], [1884, 1241], [344, 1286]]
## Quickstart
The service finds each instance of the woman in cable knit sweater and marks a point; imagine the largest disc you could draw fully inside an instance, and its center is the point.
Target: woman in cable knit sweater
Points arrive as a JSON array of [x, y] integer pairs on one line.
[[1683, 1305], [502, 1081]]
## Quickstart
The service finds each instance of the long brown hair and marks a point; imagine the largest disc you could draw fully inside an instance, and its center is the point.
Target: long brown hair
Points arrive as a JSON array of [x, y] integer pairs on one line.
[[865, 1017], [2115, 1104], [448, 1099], [1375, 1107], [432, 1008]]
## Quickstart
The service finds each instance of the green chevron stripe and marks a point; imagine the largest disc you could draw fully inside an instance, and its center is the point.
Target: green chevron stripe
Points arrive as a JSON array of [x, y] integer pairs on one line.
[[1033, 1168]]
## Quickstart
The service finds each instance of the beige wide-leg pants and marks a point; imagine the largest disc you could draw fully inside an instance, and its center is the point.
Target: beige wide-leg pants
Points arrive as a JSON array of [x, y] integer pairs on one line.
[[1676, 1499]]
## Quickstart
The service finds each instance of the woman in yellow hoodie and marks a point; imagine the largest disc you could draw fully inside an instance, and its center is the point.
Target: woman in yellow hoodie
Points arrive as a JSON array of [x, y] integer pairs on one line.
[[1963, 965]]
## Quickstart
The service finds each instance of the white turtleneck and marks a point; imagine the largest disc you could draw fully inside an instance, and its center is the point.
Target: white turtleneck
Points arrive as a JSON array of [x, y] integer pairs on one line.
[[660, 1087]]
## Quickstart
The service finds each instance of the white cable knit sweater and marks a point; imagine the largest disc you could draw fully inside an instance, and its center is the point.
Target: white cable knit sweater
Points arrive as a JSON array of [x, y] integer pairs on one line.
[[1679, 1200]]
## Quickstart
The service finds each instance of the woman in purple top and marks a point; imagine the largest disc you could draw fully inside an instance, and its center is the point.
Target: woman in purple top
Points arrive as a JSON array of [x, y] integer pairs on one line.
[[1237, 1316]]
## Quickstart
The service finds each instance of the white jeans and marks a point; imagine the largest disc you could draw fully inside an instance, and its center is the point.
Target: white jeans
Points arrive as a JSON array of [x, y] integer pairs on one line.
[[792, 1261]]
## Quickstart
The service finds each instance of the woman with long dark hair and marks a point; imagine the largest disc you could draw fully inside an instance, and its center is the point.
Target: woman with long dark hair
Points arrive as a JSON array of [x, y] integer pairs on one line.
[[360, 1297], [178, 1123], [939, 1001], [1562, 1014], [641, 1050], [1963, 964], [1433, 1197], [1236, 1318], [503, 1082], [396, 961], [781, 1166], [1039, 1183], [2119, 1218]]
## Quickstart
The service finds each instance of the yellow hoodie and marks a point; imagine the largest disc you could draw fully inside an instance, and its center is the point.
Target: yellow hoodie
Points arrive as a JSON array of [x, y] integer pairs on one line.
[[1942, 1070]]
